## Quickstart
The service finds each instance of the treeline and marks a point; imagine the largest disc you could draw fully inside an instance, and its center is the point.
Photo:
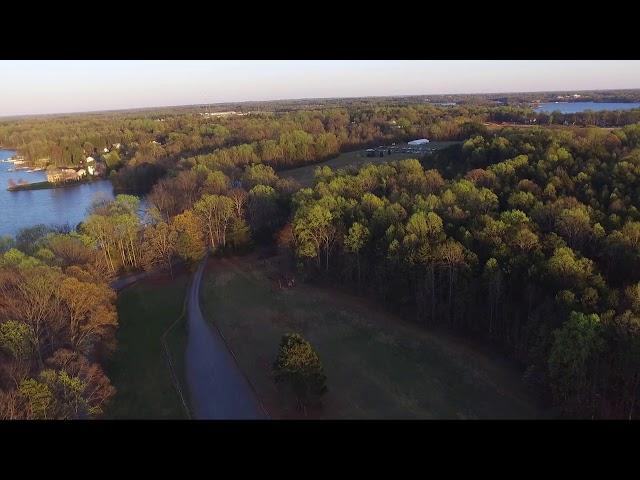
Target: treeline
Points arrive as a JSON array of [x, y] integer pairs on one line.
[[297, 138], [139, 148], [526, 115], [189, 213], [58, 324], [625, 95], [57, 313], [534, 244], [145, 145]]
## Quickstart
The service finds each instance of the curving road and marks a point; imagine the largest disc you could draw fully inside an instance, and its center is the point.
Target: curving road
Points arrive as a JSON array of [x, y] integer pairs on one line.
[[218, 389]]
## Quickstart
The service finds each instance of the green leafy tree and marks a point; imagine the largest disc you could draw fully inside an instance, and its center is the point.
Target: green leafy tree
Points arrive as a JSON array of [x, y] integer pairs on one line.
[[16, 338], [355, 240], [190, 243], [573, 361], [298, 366], [38, 397]]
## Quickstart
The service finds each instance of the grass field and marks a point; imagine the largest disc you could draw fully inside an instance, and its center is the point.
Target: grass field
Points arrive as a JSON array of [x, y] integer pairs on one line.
[[305, 175], [377, 365], [138, 368]]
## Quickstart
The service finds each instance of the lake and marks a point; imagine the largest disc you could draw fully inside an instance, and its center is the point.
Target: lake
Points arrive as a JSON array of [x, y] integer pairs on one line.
[[56, 206], [575, 107]]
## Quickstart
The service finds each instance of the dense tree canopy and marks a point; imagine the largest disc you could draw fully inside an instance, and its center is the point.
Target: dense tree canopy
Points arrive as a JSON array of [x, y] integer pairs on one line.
[[526, 238]]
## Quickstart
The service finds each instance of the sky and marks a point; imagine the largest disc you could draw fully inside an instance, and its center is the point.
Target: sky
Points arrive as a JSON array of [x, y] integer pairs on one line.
[[60, 86]]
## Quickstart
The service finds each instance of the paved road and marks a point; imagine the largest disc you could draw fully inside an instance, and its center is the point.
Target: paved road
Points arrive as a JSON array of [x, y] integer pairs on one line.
[[124, 282], [218, 389]]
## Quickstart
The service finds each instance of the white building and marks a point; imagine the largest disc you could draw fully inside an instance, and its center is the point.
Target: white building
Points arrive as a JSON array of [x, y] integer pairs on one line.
[[106, 150], [91, 170], [421, 141], [90, 160]]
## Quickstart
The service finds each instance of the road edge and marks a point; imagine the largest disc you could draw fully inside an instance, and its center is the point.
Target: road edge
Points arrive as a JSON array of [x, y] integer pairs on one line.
[[235, 359]]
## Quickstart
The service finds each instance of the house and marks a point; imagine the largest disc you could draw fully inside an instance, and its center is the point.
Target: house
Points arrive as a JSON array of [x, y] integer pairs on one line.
[[81, 173], [91, 170], [89, 160], [106, 150], [57, 175]]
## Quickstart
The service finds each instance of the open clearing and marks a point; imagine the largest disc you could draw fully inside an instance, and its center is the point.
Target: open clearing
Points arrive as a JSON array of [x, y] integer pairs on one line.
[[139, 368], [377, 365], [305, 175]]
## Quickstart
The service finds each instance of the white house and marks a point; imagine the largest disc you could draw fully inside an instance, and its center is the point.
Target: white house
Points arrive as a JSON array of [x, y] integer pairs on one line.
[[106, 150], [90, 160], [421, 141], [91, 170], [81, 173]]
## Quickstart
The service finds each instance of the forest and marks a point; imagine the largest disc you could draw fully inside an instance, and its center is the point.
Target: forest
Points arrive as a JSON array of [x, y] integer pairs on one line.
[[534, 248], [527, 239]]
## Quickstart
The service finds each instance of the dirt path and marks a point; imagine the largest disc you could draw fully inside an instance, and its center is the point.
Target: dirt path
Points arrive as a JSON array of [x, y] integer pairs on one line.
[[217, 387]]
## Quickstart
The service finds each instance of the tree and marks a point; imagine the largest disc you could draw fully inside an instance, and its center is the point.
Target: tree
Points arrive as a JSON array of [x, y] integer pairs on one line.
[[190, 244], [239, 236], [38, 397], [259, 174], [239, 198], [263, 212], [91, 318], [159, 246], [217, 183], [85, 389], [313, 231], [17, 340], [575, 224], [573, 361], [32, 295], [298, 366], [452, 256], [356, 239], [215, 213]]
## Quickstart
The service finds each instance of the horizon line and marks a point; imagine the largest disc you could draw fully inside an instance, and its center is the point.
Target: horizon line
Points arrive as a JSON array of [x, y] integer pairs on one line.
[[138, 108]]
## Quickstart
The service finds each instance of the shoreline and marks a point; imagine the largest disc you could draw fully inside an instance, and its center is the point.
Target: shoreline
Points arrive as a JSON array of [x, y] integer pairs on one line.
[[45, 185]]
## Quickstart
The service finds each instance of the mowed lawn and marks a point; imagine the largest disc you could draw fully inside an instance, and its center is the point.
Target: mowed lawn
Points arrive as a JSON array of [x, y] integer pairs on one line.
[[306, 175], [377, 365], [139, 368]]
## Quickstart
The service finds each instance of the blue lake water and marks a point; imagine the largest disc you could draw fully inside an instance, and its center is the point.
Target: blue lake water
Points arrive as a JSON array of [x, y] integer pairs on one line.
[[57, 206], [575, 107]]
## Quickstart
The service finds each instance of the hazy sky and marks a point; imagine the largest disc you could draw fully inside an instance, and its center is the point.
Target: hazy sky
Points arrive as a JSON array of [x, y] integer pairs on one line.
[[72, 86]]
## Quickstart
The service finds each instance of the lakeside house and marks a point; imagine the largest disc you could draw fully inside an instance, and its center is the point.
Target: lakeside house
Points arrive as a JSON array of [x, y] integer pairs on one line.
[[57, 175], [91, 168]]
